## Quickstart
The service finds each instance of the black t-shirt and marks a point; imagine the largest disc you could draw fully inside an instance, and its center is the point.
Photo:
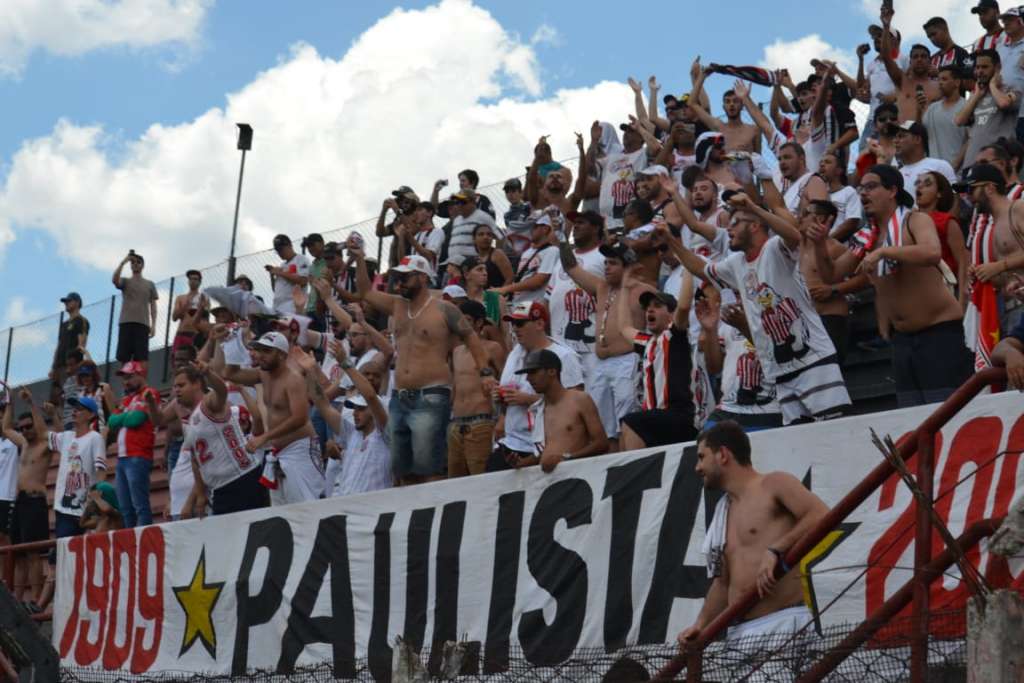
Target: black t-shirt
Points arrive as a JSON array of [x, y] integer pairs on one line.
[[955, 56], [68, 339]]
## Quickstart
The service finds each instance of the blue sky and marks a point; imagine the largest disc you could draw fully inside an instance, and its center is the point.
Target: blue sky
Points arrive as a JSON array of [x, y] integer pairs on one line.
[[124, 90]]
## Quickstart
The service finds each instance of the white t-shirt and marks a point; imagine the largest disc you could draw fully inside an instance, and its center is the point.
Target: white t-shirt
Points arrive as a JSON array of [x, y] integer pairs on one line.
[[786, 329], [618, 172], [518, 430], [793, 191], [284, 299], [910, 172], [701, 386], [745, 389], [879, 81], [461, 242], [183, 480], [532, 262], [8, 469], [714, 250], [847, 203], [365, 461], [218, 446], [573, 310], [80, 457], [432, 240]]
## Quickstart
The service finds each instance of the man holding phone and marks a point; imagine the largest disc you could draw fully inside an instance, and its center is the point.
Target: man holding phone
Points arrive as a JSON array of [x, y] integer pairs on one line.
[[137, 325]]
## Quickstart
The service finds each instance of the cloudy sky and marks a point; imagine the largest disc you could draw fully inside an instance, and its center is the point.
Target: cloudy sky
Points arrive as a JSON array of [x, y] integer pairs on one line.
[[119, 114]]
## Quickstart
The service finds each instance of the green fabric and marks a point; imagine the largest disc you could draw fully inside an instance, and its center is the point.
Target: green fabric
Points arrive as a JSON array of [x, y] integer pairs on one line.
[[129, 420], [115, 421], [108, 493], [492, 302], [316, 270]]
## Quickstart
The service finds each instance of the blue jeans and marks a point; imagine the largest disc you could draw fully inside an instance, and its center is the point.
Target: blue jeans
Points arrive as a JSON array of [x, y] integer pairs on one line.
[[173, 451], [418, 422], [133, 490]]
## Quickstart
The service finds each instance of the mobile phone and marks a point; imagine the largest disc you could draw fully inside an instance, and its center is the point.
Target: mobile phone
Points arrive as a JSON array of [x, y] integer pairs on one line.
[[919, 89], [444, 183], [131, 252]]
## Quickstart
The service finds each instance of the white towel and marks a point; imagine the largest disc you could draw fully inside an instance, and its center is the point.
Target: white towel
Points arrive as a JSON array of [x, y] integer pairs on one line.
[[714, 539]]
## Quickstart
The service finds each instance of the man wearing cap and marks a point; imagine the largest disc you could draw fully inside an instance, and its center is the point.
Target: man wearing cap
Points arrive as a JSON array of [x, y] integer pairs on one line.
[[566, 425], [529, 326], [535, 266], [137, 323], [791, 342], [293, 467], [912, 153], [402, 203], [612, 382], [419, 235], [988, 16], [465, 219], [314, 245], [471, 431], [192, 309], [134, 425], [617, 172], [289, 279], [991, 110], [987, 189], [517, 223], [899, 251], [74, 333], [426, 330], [215, 443], [362, 433], [875, 77], [666, 415], [83, 460]]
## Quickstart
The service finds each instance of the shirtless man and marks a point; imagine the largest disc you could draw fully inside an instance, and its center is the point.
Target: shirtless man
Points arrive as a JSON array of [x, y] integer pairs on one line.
[[918, 75], [216, 441], [987, 187], [756, 522], [798, 184], [739, 136], [566, 425], [31, 519], [614, 379], [192, 309], [899, 252], [425, 332], [471, 430], [656, 186], [293, 468], [709, 154]]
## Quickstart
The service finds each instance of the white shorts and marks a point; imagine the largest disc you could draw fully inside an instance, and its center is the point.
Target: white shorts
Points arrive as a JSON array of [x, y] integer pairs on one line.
[[303, 471], [588, 363], [614, 390], [816, 392], [769, 648]]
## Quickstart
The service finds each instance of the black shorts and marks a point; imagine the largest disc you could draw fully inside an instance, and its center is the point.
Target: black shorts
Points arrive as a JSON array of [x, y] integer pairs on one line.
[[930, 364], [132, 342], [661, 427], [6, 517], [31, 519], [244, 493], [838, 329], [502, 457]]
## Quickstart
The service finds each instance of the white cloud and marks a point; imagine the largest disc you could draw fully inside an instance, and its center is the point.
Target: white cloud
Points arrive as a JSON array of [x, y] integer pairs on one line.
[[796, 55], [74, 27], [420, 95], [546, 34], [911, 15], [18, 312]]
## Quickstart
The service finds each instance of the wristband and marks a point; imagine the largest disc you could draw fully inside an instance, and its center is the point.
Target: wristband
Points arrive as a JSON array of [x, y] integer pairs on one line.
[[781, 557]]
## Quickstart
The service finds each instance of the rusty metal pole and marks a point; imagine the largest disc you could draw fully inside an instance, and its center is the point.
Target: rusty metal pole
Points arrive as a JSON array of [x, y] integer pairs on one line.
[[922, 556]]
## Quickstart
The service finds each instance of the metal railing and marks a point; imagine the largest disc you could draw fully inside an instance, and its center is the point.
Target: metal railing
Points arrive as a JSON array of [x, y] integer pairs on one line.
[[26, 351], [921, 442]]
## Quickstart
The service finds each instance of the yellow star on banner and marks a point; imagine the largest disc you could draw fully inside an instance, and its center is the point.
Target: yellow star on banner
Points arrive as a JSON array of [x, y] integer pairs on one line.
[[198, 599], [815, 557]]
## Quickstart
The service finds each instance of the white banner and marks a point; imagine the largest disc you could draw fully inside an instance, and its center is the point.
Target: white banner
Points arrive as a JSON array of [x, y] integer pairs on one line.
[[599, 554]]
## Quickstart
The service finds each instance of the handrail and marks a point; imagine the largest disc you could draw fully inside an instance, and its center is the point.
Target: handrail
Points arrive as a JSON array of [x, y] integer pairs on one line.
[[900, 599], [906, 448]]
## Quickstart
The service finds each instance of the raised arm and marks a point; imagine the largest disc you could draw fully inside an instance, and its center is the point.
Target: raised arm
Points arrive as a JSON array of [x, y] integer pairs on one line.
[[830, 270], [379, 300], [38, 423], [324, 289], [8, 427], [885, 47], [1003, 97], [652, 104], [235, 374], [768, 129], [315, 390], [586, 280], [638, 98], [460, 327], [116, 279], [217, 397], [693, 263], [785, 229], [684, 298]]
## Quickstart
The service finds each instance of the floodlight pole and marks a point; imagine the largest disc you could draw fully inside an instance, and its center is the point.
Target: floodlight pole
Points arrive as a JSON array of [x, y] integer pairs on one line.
[[244, 144]]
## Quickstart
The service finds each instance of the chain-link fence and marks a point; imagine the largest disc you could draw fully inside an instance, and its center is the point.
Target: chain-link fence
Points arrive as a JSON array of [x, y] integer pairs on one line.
[[777, 657], [26, 351]]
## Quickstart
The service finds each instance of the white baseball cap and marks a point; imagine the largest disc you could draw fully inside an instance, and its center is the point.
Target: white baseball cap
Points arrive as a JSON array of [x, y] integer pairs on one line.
[[655, 169], [455, 292], [273, 340], [414, 264]]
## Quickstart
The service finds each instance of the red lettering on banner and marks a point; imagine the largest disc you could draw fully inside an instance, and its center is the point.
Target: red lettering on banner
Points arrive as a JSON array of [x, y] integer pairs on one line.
[[998, 570], [151, 605], [75, 548], [114, 655], [97, 589]]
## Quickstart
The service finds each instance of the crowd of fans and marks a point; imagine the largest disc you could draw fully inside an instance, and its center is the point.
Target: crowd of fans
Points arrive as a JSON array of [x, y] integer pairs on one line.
[[677, 277]]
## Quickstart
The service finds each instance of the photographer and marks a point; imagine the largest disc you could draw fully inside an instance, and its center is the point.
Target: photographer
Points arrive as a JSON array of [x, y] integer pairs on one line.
[[289, 280], [403, 203]]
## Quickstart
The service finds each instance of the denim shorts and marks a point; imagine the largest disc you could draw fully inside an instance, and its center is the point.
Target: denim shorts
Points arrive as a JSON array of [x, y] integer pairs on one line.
[[418, 422]]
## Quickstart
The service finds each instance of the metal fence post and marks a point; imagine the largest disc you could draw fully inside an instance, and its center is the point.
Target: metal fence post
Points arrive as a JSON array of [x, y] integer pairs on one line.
[[167, 328], [922, 556], [110, 336], [10, 343]]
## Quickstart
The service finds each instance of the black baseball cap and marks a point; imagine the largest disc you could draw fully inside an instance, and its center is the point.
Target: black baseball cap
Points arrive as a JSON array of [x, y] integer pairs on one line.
[[541, 359], [892, 178], [667, 300], [619, 251], [979, 174], [72, 296], [984, 5], [192, 271], [474, 309]]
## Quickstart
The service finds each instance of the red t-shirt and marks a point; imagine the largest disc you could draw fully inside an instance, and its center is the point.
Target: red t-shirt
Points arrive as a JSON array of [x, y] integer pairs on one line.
[[137, 441], [941, 220]]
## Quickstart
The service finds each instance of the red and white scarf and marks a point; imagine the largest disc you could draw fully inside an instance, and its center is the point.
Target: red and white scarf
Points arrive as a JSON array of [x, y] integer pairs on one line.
[[870, 237]]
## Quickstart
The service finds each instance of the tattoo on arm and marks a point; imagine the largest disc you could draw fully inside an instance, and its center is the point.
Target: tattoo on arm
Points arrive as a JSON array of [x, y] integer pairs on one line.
[[457, 324]]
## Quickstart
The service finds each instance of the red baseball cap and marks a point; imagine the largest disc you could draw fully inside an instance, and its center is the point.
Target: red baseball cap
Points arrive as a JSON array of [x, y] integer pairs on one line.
[[132, 367], [528, 310]]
